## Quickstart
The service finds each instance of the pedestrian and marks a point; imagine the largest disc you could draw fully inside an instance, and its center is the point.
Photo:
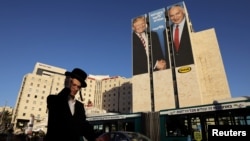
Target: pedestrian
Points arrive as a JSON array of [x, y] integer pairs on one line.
[[66, 115]]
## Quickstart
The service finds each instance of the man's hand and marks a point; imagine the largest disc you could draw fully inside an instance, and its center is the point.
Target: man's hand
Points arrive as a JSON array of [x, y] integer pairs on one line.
[[161, 64]]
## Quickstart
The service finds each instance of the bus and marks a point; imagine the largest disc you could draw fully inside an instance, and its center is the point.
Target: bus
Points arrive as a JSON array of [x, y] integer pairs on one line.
[[182, 124], [116, 122], [191, 123]]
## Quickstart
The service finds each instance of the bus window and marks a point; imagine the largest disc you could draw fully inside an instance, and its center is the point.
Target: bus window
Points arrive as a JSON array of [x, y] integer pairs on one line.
[[176, 126]]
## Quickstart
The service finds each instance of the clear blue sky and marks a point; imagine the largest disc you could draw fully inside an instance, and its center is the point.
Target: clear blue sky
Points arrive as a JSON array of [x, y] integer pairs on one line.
[[95, 35]]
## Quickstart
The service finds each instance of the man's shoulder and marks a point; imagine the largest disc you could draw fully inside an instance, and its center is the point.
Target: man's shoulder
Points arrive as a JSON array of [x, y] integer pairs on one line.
[[51, 98], [62, 94]]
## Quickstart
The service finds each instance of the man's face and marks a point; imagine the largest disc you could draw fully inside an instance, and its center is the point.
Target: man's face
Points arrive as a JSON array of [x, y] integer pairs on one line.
[[75, 86], [176, 14], [139, 26]]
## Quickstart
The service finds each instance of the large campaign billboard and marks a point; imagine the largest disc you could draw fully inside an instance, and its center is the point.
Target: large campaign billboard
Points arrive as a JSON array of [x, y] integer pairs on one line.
[[149, 49], [157, 25], [140, 45], [163, 57], [181, 43], [183, 67]]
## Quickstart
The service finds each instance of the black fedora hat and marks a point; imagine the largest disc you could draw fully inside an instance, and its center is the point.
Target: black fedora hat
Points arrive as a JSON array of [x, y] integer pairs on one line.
[[79, 75]]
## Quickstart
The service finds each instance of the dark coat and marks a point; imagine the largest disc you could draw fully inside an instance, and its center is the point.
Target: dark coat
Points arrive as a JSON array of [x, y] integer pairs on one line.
[[62, 125], [140, 64], [184, 56]]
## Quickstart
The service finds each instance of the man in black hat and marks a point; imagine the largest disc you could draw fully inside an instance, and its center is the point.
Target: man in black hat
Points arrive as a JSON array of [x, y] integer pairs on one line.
[[66, 115]]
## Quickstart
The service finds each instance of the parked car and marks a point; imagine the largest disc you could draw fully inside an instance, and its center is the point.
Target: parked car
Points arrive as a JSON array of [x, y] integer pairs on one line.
[[123, 136]]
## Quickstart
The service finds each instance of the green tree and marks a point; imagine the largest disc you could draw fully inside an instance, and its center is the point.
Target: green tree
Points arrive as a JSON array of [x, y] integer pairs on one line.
[[5, 121]]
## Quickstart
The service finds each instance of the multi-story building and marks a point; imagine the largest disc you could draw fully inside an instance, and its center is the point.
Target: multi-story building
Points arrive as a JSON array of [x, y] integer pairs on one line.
[[35, 87], [112, 94], [188, 80]]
